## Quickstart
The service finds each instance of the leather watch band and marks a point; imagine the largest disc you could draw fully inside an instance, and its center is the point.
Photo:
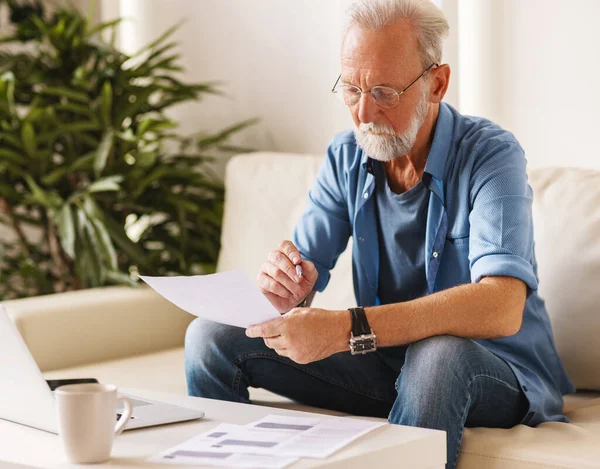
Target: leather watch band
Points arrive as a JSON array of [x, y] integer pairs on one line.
[[360, 325]]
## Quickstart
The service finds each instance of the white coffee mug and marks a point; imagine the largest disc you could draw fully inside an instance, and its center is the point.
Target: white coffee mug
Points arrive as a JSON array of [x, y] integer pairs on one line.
[[86, 420]]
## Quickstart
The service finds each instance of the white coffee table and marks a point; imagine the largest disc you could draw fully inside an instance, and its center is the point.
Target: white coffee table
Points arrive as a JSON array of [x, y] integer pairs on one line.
[[389, 446]]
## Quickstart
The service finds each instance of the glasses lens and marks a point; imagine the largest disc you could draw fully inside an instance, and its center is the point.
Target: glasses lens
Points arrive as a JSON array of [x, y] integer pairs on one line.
[[384, 96], [348, 94]]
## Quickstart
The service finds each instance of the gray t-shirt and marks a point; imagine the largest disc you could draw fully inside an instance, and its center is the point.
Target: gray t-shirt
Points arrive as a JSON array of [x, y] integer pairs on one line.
[[402, 220]]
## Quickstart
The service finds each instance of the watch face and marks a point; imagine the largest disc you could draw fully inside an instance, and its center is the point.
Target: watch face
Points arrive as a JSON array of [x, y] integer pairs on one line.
[[363, 344]]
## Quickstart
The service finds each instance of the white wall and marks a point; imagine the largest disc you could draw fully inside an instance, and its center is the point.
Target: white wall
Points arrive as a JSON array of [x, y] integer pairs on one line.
[[277, 61], [552, 68], [532, 66]]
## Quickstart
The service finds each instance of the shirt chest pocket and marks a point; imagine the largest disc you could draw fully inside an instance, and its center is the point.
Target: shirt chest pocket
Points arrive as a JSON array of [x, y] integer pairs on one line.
[[454, 264]]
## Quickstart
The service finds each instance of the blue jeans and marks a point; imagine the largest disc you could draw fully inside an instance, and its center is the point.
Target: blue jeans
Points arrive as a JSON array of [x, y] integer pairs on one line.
[[443, 382]]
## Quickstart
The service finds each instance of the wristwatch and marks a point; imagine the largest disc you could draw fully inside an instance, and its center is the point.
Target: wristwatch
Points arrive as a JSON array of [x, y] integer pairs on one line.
[[362, 338]]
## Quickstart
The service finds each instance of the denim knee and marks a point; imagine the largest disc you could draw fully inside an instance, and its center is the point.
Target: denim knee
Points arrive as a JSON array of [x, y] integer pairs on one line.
[[208, 344], [434, 365]]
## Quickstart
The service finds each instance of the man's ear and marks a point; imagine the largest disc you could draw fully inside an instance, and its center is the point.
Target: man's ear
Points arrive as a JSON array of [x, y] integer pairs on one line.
[[439, 80]]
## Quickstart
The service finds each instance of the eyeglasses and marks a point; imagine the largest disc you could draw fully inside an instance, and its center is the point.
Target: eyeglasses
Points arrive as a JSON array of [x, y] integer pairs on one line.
[[384, 96]]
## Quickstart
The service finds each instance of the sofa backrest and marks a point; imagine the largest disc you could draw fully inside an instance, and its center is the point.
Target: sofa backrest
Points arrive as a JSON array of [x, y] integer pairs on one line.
[[267, 192], [566, 220]]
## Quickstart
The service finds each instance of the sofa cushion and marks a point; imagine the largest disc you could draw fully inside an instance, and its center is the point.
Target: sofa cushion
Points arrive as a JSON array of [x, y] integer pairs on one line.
[[100, 323], [566, 215]]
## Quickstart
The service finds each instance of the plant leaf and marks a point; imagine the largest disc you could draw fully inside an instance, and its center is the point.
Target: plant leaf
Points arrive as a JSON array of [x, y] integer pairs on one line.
[[110, 254], [66, 230], [110, 183], [103, 152], [204, 142], [49, 199], [28, 139], [54, 176], [93, 251], [102, 26], [84, 162], [66, 93], [79, 126], [11, 138], [106, 103], [74, 108], [117, 233], [160, 39], [91, 12], [121, 279], [12, 155]]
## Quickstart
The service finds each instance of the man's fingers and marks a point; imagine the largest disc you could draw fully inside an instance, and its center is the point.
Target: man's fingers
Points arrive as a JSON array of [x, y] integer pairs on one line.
[[268, 284], [265, 330], [275, 343], [274, 272], [284, 264], [309, 272], [288, 248]]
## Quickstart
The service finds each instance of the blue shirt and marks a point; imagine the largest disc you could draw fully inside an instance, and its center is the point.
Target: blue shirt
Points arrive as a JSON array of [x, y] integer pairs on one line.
[[479, 223]]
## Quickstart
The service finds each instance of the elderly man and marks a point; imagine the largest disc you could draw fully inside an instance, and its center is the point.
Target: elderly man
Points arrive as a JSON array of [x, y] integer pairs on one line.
[[451, 331]]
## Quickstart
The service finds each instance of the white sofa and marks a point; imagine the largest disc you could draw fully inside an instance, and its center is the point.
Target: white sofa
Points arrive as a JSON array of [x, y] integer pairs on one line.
[[134, 339]]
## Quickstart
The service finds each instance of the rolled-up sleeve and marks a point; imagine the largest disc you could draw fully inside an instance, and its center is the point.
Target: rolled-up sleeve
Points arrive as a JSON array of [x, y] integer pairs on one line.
[[501, 222], [324, 228]]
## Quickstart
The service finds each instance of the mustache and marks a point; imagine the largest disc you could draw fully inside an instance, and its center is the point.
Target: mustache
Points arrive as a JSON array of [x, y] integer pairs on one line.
[[377, 129]]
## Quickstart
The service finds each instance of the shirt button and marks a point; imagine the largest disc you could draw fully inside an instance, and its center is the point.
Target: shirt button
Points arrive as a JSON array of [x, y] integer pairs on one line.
[[525, 388], [366, 195], [435, 254], [361, 238]]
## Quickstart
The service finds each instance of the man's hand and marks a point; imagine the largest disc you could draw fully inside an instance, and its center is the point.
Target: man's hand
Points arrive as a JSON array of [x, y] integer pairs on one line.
[[278, 281], [306, 335]]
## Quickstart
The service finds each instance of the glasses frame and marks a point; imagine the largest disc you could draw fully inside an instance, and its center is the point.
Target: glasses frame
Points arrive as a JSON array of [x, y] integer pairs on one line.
[[398, 93]]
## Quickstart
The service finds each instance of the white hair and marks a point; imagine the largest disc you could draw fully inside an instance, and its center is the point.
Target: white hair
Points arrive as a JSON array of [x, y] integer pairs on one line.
[[428, 21]]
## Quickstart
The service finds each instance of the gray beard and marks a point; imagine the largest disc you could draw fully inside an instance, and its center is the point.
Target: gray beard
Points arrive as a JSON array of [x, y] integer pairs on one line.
[[390, 146]]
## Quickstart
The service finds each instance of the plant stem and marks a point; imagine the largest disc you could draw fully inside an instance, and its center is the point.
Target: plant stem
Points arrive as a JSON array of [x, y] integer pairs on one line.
[[8, 210]]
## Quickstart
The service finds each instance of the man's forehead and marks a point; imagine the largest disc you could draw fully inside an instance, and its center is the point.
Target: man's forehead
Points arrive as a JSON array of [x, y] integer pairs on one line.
[[386, 52]]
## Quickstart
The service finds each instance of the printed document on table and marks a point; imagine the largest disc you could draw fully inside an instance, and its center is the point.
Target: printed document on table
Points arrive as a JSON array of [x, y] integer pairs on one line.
[[197, 452], [294, 436], [226, 297]]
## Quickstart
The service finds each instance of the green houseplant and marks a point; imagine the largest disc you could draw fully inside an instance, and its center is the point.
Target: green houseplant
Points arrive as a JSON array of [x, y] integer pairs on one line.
[[95, 184]]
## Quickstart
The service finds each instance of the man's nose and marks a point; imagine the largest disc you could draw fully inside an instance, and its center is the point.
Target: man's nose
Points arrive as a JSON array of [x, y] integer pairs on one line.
[[367, 109]]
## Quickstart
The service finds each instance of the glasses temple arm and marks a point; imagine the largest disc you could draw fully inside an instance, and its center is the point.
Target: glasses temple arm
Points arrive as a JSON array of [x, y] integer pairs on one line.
[[335, 84]]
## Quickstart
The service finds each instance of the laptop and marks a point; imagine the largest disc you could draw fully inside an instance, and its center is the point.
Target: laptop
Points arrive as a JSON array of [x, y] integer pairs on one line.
[[26, 397]]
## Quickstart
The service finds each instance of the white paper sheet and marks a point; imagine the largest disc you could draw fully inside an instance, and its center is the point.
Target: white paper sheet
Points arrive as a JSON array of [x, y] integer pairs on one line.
[[294, 436], [197, 452], [226, 297]]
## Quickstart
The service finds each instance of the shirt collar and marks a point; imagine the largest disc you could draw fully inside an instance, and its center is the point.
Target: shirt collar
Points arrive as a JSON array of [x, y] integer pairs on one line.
[[442, 139]]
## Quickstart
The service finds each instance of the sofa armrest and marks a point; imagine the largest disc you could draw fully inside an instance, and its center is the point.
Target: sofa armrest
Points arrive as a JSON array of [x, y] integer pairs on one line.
[[88, 326]]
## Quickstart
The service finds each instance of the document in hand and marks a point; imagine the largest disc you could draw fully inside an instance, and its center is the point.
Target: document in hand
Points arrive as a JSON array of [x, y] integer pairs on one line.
[[226, 297]]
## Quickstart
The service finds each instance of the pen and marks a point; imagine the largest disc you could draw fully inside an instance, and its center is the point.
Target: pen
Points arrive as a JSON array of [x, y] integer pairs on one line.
[[299, 271]]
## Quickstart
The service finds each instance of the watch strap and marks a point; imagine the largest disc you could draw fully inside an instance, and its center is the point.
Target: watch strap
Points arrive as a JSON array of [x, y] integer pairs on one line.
[[360, 325]]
